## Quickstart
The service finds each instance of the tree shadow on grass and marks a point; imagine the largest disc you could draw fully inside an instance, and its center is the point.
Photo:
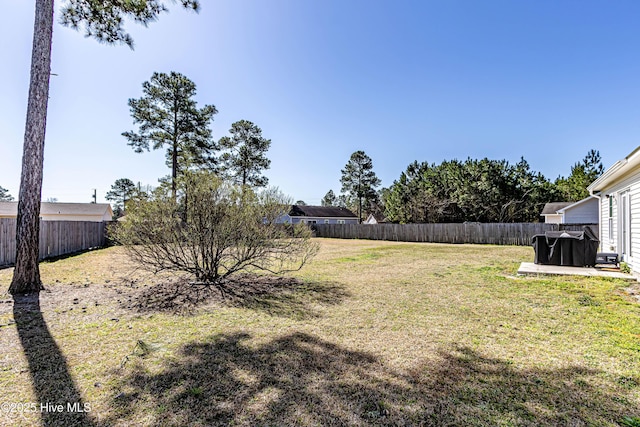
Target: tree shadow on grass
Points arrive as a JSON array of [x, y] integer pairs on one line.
[[52, 382], [276, 295], [299, 379]]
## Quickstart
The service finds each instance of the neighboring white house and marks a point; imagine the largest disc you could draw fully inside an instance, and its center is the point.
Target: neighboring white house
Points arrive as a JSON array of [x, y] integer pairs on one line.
[[618, 190], [92, 212], [374, 219], [319, 215], [584, 211]]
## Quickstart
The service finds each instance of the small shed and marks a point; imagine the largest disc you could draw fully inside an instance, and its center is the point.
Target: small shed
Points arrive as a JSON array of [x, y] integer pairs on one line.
[[584, 211], [92, 212]]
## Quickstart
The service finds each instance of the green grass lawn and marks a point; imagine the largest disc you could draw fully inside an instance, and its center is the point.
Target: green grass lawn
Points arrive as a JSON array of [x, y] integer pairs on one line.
[[371, 333]]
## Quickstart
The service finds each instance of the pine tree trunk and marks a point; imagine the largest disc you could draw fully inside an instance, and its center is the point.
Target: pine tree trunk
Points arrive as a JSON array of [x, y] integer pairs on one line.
[[174, 155], [26, 276]]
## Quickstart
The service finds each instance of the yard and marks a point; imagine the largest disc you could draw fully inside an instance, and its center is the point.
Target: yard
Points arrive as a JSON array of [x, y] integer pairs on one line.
[[370, 333]]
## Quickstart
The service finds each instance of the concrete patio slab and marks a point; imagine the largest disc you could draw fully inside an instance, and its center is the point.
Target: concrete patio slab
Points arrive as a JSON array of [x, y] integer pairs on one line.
[[529, 268]]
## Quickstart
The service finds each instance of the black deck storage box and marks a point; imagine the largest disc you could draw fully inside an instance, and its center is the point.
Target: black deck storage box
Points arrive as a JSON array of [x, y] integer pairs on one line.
[[610, 258], [570, 248]]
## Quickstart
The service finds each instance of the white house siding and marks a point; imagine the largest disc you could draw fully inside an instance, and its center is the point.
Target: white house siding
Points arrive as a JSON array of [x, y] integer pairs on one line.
[[634, 201], [284, 219], [606, 245], [553, 219], [614, 224], [319, 220], [322, 220], [632, 184], [584, 213]]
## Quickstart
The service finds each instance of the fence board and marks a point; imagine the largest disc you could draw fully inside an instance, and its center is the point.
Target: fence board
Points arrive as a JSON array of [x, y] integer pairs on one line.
[[518, 234], [56, 238]]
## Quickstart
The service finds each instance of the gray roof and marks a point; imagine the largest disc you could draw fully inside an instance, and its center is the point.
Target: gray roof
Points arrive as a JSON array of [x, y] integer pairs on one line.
[[553, 208], [321, 211], [46, 208], [573, 204]]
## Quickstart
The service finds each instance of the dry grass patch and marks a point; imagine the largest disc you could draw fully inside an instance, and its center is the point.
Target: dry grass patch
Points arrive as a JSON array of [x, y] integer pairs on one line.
[[371, 332]]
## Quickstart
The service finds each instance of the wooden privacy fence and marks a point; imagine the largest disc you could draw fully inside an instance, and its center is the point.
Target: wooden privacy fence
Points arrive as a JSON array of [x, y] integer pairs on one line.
[[56, 238], [480, 233]]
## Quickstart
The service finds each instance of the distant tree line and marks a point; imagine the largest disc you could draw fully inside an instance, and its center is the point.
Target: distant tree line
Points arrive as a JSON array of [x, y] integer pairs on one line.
[[482, 190], [457, 191], [474, 190]]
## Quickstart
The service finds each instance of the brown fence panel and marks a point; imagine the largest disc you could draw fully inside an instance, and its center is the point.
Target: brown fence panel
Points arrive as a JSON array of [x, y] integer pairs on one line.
[[479, 233], [56, 238], [7, 240]]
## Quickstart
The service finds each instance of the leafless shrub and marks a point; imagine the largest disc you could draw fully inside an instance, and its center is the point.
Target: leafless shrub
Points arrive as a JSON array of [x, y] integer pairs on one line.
[[213, 230]]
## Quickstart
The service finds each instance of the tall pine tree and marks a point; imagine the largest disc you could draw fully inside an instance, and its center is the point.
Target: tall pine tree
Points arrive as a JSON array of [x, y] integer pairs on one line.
[[168, 115], [121, 191], [329, 199], [244, 159], [104, 21], [359, 182]]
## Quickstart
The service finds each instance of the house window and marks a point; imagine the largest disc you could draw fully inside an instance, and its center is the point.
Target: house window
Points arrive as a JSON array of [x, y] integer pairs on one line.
[[326, 221], [610, 206], [341, 221], [610, 218]]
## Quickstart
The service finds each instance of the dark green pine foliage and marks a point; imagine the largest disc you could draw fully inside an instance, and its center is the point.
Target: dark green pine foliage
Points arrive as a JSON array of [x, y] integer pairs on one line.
[[574, 188], [243, 159], [103, 20], [474, 190], [121, 192], [359, 182], [329, 199], [168, 115], [4, 195]]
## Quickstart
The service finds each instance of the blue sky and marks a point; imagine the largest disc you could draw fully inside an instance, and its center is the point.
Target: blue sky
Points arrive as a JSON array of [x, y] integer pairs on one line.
[[402, 80]]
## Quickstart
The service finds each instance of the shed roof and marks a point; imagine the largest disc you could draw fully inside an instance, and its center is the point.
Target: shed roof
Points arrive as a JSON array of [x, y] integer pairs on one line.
[[321, 211], [47, 208], [554, 207], [578, 203]]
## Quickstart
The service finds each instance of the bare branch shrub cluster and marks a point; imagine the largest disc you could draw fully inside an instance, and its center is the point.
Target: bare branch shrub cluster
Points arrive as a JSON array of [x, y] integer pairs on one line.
[[213, 230]]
